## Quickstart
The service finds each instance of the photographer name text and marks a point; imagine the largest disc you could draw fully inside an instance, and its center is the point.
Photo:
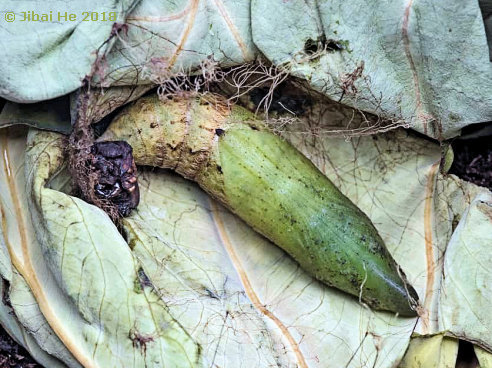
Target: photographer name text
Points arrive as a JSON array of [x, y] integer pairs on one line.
[[60, 16]]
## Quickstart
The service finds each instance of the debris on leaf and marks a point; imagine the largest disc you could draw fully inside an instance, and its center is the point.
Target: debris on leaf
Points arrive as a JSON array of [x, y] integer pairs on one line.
[[116, 175]]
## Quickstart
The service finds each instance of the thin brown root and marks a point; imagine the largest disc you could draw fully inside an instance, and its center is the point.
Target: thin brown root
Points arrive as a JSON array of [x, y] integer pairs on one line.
[[281, 124], [246, 77], [172, 84]]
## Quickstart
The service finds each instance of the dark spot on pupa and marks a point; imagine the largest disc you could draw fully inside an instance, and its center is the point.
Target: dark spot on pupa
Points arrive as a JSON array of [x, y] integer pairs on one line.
[[153, 125], [354, 282], [253, 127], [219, 169], [219, 132]]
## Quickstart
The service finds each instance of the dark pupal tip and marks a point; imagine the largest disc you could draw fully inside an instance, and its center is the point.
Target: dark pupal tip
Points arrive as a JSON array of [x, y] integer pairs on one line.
[[411, 307], [409, 304]]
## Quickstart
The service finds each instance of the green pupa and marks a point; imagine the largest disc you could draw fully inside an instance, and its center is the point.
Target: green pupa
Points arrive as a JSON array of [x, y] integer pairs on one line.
[[270, 185]]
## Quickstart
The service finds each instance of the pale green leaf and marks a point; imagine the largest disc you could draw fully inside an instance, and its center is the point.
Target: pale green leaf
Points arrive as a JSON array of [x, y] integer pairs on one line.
[[409, 61], [81, 272], [32, 320], [21, 335], [425, 63], [50, 115], [484, 357], [435, 351], [166, 37], [466, 291], [47, 59], [411, 68]]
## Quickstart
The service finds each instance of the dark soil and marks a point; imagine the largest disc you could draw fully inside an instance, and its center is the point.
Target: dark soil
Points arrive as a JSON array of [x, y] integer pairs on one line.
[[13, 355], [466, 355], [473, 160]]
